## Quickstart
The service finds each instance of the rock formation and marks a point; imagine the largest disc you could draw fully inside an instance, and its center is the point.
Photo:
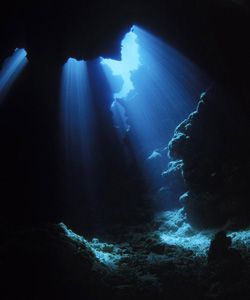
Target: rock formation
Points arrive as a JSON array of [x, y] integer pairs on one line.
[[212, 145]]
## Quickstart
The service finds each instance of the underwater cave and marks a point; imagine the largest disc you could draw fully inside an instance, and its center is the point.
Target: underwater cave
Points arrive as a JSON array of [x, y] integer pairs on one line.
[[125, 150]]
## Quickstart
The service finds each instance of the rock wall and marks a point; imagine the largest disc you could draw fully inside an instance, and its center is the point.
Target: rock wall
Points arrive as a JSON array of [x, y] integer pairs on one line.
[[213, 146]]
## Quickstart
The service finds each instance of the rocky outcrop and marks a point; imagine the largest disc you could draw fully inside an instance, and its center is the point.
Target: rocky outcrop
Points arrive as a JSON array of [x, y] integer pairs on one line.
[[212, 144], [50, 261], [167, 196], [42, 262]]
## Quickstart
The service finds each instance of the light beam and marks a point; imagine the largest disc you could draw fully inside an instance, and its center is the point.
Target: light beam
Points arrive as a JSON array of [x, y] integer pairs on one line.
[[77, 128], [11, 69], [160, 87]]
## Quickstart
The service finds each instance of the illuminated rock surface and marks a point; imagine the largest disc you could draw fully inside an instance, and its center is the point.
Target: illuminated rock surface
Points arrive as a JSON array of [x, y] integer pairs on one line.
[[164, 258]]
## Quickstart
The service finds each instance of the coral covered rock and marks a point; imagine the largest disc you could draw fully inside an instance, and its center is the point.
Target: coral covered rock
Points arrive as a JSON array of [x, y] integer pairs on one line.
[[212, 145]]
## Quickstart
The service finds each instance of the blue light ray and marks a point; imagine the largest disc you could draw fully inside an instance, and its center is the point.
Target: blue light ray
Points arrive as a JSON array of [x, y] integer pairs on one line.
[[12, 67], [77, 127], [165, 89]]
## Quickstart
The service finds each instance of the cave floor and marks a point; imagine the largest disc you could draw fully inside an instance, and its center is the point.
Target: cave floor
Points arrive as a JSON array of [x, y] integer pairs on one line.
[[50, 261]]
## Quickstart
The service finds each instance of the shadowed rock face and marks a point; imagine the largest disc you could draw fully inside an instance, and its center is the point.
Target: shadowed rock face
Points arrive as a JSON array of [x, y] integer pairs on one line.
[[42, 262], [213, 145]]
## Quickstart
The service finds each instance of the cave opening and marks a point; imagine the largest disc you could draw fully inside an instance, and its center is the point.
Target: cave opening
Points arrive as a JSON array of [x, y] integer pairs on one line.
[[154, 87]]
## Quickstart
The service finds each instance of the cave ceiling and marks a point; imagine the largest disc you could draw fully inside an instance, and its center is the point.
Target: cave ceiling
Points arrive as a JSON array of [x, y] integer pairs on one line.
[[52, 31]]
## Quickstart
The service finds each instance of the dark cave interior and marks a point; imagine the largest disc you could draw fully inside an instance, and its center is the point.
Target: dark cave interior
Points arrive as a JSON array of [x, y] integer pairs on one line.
[[191, 237]]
